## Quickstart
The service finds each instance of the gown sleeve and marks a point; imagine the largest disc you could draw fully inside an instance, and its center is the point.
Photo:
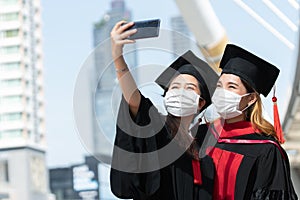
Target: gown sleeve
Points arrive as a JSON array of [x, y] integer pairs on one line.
[[273, 179], [135, 135]]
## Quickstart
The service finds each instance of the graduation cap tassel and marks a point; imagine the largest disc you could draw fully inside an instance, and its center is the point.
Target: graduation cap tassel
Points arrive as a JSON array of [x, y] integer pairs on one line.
[[197, 172], [277, 125]]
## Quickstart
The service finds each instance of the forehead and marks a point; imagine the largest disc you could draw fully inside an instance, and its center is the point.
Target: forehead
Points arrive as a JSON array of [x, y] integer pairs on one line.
[[185, 78], [227, 78]]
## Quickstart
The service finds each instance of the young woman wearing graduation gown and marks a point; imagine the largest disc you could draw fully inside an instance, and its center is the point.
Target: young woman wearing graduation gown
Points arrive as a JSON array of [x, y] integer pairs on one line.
[[142, 129], [249, 161]]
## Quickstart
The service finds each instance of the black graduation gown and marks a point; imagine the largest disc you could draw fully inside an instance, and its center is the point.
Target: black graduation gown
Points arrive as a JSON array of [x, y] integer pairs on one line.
[[174, 181], [249, 165]]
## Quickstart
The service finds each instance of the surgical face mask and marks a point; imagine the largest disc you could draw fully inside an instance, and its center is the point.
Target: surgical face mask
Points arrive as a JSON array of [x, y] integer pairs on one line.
[[181, 102], [227, 103]]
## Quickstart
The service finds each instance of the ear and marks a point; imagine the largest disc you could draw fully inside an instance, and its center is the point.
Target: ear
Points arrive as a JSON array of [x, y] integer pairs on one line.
[[252, 98], [202, 103]]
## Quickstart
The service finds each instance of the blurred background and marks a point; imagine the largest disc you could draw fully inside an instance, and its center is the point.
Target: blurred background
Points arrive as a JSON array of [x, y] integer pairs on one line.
[[59, 95]]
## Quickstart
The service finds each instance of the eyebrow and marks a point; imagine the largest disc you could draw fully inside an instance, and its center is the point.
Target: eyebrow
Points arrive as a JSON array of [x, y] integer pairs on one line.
[[233, 83], [230, 82], [193, 84], [178, 83]]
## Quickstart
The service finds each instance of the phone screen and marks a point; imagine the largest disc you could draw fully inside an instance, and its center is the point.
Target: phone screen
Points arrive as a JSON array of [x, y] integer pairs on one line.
[[145, 29]]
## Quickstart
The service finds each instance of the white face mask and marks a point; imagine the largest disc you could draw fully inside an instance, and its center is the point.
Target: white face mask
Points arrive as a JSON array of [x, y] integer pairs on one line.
[[181, 102], [227, 103]]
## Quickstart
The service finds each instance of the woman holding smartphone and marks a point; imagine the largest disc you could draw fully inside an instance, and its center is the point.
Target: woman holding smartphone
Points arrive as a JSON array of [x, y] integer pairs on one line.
[[188, 83]]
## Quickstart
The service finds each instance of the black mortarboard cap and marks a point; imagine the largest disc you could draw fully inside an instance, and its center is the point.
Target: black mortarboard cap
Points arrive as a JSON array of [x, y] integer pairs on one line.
[[258, 73], [190, 64]]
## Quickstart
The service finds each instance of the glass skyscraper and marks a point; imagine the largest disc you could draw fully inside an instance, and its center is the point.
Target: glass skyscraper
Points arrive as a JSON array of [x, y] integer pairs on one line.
[[180, 32], [104, 93], [106, 82]]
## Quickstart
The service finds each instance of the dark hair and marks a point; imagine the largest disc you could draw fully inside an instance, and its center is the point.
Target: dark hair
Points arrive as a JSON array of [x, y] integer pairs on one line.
[[184, 140]]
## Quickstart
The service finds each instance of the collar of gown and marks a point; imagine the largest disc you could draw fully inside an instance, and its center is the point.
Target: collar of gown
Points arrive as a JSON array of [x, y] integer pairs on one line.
[[228, 130]]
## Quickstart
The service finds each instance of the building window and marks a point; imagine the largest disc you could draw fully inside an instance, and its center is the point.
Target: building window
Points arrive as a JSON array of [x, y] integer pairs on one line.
[[9, 33], [11, 134], [10, 83], [9, 50], [9, 16], [8, 2], [14, 99], [4, 175], [10, 117], [25, 51], [10, 66]]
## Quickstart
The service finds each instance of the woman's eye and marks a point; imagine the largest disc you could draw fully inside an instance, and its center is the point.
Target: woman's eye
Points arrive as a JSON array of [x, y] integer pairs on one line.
[[174, 87], [190, 88], [232, 87]]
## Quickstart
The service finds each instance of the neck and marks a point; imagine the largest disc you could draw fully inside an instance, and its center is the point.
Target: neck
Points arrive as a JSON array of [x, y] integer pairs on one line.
[[186, 122], [235, 119]]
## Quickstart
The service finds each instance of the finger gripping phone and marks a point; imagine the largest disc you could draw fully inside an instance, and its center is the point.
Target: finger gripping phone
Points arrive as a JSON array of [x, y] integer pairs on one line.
[[145, 29]]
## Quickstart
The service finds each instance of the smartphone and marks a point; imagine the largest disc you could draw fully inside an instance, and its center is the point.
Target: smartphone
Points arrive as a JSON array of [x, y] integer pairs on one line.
[[145, 29]]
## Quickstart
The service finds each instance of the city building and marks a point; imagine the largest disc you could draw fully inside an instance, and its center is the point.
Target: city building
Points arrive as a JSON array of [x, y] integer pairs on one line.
[[23, 173], [78, 181], [103, 80], [180, 33], [105, 95]]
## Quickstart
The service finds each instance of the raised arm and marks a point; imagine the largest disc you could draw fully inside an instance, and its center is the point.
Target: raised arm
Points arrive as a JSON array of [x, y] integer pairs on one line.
[[126, 81]]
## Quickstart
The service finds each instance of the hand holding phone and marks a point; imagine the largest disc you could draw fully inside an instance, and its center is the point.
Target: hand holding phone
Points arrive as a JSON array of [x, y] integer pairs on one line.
[[145, 29]]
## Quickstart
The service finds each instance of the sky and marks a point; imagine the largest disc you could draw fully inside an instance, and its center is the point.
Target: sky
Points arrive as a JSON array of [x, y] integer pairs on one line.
[[68, 41]]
